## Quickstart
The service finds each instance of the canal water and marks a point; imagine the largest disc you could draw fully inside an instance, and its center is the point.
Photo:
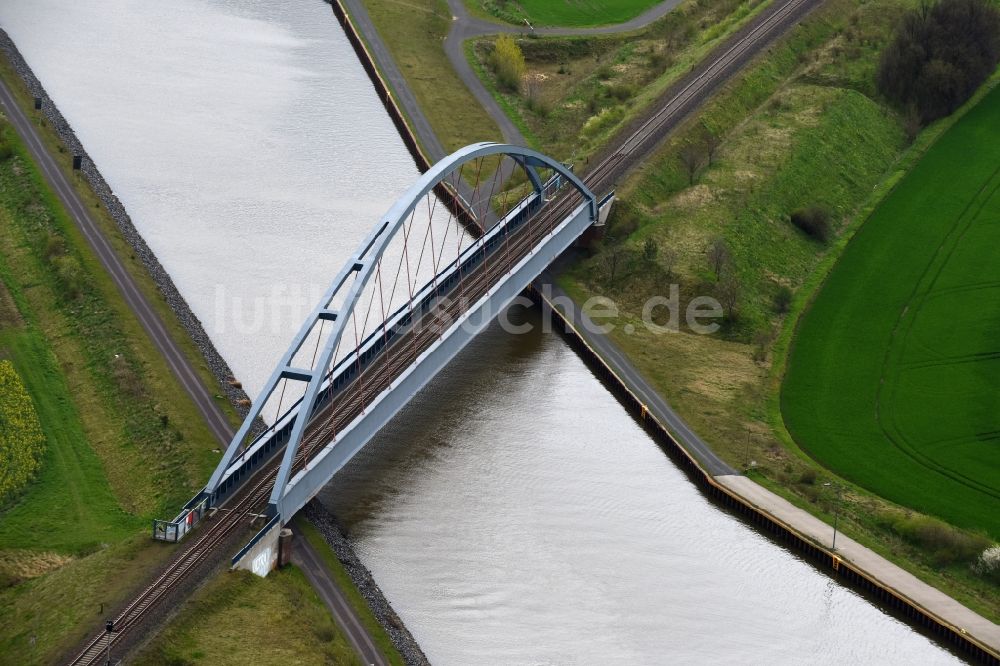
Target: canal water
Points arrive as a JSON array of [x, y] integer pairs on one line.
[[514, 513]]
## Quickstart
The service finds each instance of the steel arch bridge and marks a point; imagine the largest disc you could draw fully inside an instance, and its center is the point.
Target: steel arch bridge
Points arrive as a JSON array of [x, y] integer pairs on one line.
[[346, 373]]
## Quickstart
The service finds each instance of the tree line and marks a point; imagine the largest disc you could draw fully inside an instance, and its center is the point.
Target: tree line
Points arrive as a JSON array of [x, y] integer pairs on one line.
[[938, 56]]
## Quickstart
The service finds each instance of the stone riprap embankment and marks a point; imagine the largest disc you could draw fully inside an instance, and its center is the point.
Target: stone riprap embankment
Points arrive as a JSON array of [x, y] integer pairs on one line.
[[362, 579]]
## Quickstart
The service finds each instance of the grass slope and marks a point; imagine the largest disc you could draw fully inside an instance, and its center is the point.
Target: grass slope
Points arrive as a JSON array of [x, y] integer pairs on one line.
[[570, 13], [239, 618], [112, 412], [122, 441], [70, 507], [894, 376]]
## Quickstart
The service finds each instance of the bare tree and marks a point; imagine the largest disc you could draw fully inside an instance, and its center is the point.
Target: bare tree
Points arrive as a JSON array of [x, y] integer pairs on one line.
[[668, 257], [719, 256], [612, 260], [729, 292], [692, 156], [712, 143], [649, 251]]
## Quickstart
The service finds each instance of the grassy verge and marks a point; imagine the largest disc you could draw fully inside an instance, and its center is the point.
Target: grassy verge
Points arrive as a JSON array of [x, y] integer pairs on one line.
[[117, 451], [579, 92], [800, 127], [63, 598], [570, 14], [239, 618], [86, 363], [343, 580], [906, 404], [414, 33]]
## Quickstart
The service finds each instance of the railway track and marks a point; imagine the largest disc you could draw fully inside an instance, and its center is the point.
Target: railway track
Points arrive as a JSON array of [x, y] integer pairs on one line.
[[351, 400]]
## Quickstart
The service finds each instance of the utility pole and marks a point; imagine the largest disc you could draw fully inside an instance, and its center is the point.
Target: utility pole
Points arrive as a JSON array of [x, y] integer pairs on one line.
[[109, 626], [836, 513], [746, 454]]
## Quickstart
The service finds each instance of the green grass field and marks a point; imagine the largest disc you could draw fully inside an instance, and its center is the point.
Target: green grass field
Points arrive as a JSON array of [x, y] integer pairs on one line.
[[571, 13], [290, 625], [894, 376]]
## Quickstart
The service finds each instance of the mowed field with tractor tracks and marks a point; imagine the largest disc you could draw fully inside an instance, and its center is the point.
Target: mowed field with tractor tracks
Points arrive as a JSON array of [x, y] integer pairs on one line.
[[893, 381]]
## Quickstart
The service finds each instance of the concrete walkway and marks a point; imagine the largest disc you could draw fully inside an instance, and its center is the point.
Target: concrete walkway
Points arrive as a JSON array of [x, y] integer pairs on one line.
[[877, 567]]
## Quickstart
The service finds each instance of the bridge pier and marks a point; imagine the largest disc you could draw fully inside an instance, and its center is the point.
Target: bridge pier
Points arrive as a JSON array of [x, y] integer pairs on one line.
[[260, 556]]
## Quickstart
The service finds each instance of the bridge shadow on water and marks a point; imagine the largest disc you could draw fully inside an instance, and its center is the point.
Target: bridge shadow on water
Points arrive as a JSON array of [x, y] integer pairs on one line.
[[494, 368]]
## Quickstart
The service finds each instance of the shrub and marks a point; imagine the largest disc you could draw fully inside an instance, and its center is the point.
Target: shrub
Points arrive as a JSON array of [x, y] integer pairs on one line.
[[808, 477], [782, 299], [54, 245], [988, 564], [945, 543], [70, 275], [939, 55], [602, 121], [621, 92], [814, 222], [507, 62], [21, 440]]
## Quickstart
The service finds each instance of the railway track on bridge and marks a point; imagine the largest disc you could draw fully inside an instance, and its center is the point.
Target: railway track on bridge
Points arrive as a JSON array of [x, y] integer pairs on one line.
[[351, 400]]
